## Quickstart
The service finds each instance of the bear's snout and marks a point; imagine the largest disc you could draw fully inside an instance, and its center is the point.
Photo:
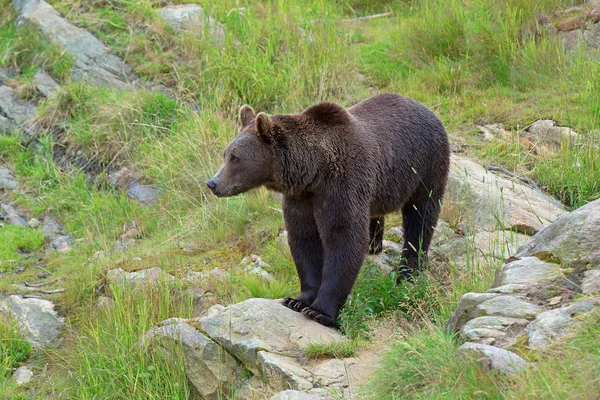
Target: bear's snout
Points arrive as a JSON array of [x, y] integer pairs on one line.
[[212, 185]]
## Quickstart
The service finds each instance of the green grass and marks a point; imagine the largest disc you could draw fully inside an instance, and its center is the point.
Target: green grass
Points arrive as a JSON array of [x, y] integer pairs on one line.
[[13, 348], [17, 241], [331, 350]]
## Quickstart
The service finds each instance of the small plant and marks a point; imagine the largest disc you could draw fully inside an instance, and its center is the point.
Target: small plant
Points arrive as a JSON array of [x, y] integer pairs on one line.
[[331, 350], [17, 240], [13, 348]]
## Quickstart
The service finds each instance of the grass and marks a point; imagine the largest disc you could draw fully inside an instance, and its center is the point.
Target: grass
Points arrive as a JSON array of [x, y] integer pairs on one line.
[[13, 348], [472, 62], [18, 241], [331, 350]]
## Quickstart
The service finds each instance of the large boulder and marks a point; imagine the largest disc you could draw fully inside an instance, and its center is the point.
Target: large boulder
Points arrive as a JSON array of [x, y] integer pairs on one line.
[[493, 358], [37, 320]]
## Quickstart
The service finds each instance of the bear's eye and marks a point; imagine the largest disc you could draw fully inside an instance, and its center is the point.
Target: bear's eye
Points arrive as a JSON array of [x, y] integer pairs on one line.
[[233, 159]]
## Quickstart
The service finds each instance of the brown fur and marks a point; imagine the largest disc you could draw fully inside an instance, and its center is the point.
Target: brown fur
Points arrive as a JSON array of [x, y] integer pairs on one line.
[[340, 171]]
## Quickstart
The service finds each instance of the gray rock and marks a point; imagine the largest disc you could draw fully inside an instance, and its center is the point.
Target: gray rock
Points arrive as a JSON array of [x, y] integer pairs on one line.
[[9, 215], [144, 194], [192, 18], [263, 325], [34, 223], [8, 180], [22, 375], [499, 244], [554, 324], [297, 395], [38, 322], [502, 330], [493, 358], [209, 368], [283, 372], [104, 303], [591, 281], [494, 131], [45, 84], [254, 265], [527, 271], [61, 244], [93, 62], [574, 238], [480, 199], [18, 114], [545, 132], [148, 276]]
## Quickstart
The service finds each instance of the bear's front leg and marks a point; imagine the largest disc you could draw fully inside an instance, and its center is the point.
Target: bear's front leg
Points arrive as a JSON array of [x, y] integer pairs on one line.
[[344, 230], [306, 248]]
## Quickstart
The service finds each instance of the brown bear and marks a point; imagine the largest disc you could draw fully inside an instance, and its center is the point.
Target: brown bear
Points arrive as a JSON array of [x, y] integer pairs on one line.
[[340, 171]]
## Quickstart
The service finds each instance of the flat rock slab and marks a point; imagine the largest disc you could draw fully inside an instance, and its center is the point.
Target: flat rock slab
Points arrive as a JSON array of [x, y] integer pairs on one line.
[[528, 271], [37, 320], [485, 198], [493, 358], [554, 324], [93, 61], [574, 238], [499, 331], [45, 84], [256, 325], [210, 369]]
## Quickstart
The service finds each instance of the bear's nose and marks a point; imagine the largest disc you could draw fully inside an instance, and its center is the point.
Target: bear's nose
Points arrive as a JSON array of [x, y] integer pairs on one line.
[[211, 184]]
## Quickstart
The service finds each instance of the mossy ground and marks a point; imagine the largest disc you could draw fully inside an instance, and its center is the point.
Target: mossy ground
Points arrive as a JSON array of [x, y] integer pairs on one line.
[[469, 61]]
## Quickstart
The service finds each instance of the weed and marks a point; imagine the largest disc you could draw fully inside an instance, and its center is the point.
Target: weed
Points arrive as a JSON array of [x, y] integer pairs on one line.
[[331, 350]]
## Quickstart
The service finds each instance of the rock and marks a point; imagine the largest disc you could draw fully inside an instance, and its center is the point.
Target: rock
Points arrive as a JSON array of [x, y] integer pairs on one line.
[[93, 62], [125, 179], [8, 180], [191, 17], [18, 114], [527, 271], [545, 132], [382, 261], [34, 223], [104, 303], [38, 322], [494, 131], [478, 199], [148, 276], [45, 84], [9, 215], [263, 325], [493, 358], [254, 265], [502, 330], [574, 238], [209, 368], [54, 231], [61, 244], [297, 395], [591, 281], [283, 372], [570, 19], [473, 305], [554, 324], [498, 244], [22, 375]]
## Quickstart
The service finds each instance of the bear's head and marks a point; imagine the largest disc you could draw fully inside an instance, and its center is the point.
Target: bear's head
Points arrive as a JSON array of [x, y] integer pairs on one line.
[[248, 160]]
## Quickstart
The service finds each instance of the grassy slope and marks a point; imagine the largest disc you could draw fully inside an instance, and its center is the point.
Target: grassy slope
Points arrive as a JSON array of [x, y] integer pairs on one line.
[[466, 60]]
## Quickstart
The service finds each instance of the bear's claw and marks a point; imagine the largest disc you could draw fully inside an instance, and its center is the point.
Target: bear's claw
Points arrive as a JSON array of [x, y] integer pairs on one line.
[[319, 317], [294, 304]]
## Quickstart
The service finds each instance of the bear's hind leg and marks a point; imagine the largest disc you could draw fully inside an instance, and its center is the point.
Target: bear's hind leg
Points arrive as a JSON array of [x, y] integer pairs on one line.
[[306, 248], [376, 235], [419, 221]]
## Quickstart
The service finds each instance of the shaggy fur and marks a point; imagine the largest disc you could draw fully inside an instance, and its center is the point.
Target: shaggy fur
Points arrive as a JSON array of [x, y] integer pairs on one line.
[[340, 171]]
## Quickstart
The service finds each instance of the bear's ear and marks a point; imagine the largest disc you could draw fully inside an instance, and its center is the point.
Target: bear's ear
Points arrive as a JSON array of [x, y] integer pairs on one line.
[[264, 126], [247, 114]]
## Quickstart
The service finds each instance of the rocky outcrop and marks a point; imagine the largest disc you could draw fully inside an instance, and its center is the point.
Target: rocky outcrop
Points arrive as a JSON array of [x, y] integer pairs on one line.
[[192, 18], [38, 322], [532, 298], [576, 26], [93, 62], [481, 200], [265, 338]]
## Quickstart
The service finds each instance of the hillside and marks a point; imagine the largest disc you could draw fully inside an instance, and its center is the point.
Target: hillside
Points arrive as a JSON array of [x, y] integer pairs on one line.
[[114, 114]]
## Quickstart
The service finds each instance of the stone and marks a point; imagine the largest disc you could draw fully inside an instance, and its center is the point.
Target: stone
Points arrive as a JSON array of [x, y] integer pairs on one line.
[[192, 18], [93, 62], [263, 325], [38, 322], [554, 324], [210, 369], [9, 215], [502, 330], [61, 244], [545, 132], [527, 271], [297, 395], [254, 265], [144, 194], [283, 372], [34, 223], [22, 375], [18, 114], [148, 276], [493, 358], [477, 199], [45, 84], [473, 305], [573, 239], [494, 131], [8, 180], [591, 281], [499, 244], [104, 303]]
